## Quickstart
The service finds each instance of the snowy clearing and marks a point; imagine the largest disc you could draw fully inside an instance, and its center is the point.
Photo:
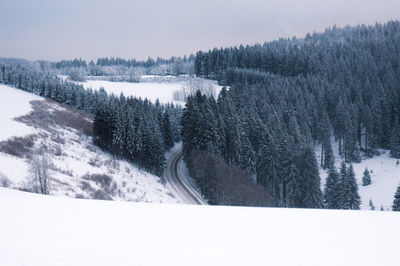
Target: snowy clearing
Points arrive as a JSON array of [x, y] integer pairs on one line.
[[14, 103], [44, 230], [151, 87], [152, 91], [78, 168], [385, 175]]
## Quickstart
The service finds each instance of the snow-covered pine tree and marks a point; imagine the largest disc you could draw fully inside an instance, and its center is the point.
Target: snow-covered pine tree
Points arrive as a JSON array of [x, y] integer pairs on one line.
[[342, 189], [396, 202], [353, 198], [167, 131], [118, 134], [395, 140], [332, 190], [329, 158], [349, 198], [371, 205], [311, 194], [366, 179]]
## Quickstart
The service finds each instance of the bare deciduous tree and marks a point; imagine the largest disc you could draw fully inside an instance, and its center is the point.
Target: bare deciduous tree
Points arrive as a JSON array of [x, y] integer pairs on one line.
[[192, 86], [40, 177]]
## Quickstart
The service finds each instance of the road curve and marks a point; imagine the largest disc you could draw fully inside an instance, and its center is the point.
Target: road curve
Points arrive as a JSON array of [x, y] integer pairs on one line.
[[175, 178]]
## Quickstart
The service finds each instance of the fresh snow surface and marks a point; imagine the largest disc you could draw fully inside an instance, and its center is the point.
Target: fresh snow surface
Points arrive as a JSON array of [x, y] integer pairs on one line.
[[152, 91], [44, 230], [385, 176], [163, 91], [74, 158], [14, 103]]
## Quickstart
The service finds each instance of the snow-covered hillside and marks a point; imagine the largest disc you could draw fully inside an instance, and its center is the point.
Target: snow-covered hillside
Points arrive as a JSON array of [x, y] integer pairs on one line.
[[14, 103], [385, 175], [42, 230], [78, 168]]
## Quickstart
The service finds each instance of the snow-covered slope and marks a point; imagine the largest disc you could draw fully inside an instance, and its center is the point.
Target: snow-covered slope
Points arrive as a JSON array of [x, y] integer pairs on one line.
[[78, 168], [42, 230], [14, 103], [385, 175]]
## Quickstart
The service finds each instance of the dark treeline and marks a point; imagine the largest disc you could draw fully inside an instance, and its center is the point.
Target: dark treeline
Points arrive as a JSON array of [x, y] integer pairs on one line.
[[77, 63], [130, 128], [287, 95]]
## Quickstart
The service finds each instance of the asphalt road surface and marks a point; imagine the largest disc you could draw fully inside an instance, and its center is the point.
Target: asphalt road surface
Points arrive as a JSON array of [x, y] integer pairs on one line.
[[175, 177]]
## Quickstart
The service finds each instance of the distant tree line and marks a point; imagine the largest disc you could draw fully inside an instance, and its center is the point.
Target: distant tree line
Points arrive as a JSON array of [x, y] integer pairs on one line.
[[150, 62], [126, 69], [127, 127], [288, 95]]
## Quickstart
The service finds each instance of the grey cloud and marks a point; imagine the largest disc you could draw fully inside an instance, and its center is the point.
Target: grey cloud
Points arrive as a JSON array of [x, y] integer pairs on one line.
[[49, 29]]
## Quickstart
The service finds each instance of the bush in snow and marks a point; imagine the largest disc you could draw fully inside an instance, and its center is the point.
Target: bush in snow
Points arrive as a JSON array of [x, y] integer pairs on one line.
[[77, 75], [18, 146], [4, 181]]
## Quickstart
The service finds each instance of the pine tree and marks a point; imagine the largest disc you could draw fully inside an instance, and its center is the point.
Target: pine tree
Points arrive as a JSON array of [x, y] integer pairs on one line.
[[349, 198], [351, 147], [329, 158], [396, 202], [167, 131], [332, 190], [118, 135], [311, 194], [395, 140], [371, 205], [366, 179]]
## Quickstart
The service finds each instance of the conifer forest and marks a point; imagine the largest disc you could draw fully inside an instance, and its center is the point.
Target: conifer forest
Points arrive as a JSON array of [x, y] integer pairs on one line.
[[279, 100]]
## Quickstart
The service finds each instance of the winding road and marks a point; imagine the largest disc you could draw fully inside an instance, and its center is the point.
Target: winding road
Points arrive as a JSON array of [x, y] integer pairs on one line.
[[175, 176]]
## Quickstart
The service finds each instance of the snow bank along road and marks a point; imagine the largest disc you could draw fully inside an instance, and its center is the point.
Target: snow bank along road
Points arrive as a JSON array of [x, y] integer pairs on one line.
[[175, 177]]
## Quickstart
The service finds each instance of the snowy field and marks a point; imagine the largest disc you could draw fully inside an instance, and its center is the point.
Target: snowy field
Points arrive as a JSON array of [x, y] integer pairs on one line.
[[44, 230], [14, 103], [385, 176], [163, 91], [78, 168], [149, 90]]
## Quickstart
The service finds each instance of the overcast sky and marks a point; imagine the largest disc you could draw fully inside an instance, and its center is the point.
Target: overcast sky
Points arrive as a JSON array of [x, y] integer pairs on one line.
[[66, 29]]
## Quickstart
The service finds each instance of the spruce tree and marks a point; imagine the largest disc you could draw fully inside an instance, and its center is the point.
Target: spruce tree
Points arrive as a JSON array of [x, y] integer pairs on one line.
[[329, 159], [351, 198], [371, 205], [332, 190], [396, 202], [366, 179], [311, 194], [167, 131], [395, 140], [348, 198]]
